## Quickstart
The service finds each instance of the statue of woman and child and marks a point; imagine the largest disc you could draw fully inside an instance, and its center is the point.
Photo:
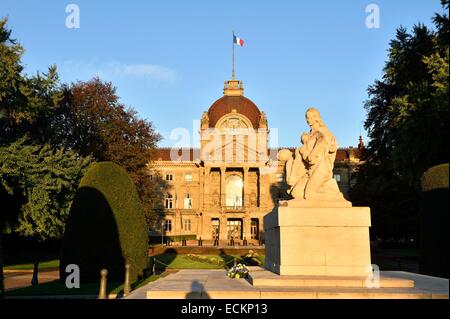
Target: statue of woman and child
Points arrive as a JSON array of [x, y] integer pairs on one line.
[[309, 171]]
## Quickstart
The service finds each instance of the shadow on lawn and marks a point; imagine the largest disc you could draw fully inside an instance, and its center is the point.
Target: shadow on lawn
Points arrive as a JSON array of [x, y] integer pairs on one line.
[[227, 259], [159, 263]]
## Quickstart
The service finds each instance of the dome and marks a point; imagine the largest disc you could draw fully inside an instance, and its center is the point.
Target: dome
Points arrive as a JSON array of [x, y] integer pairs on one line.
[[226, 104]]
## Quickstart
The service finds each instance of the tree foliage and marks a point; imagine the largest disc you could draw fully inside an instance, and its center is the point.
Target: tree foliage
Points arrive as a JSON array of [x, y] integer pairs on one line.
[[407, 123], [44, 181], [75, 122], [93, 122], [26, 103]]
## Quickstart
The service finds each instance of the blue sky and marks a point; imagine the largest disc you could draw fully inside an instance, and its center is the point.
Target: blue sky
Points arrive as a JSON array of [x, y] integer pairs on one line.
[[169, 59]]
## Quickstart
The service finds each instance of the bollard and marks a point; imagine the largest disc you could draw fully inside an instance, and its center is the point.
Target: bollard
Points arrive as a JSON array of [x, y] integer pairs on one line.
[[34, 280], [154, 266], [126, 285], [102, 293]]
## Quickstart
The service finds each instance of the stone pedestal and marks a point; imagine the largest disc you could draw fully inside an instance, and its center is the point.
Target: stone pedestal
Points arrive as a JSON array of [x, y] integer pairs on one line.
[[318, 241]]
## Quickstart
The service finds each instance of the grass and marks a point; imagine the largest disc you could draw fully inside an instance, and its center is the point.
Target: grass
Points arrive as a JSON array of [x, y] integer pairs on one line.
[[176, 261], [58, 288], [50, 264]]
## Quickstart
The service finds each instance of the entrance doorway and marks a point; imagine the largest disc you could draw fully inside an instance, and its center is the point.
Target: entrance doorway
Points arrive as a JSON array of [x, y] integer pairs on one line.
[[234, 229], [234, 190], [254, 228], [215, 228]]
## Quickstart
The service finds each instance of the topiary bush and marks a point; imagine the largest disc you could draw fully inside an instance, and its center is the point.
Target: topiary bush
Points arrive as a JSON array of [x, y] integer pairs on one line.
[[106, 227]]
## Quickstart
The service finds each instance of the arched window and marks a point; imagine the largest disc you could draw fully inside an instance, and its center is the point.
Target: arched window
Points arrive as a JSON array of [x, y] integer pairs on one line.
[[234, 190]]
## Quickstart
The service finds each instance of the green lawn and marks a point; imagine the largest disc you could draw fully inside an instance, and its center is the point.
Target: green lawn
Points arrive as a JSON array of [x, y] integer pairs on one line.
[[183, 262], [43, 265], [58, 288], [175, 261]]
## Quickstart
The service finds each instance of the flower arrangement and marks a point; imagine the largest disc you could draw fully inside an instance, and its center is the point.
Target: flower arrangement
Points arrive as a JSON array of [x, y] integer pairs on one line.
[[238, 271]]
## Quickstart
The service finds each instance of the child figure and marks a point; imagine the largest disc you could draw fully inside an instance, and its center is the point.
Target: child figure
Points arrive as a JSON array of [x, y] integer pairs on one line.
[[297, 165]]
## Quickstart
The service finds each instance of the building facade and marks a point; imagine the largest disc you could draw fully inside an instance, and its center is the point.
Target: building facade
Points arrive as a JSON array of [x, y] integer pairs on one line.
[[224, 189]]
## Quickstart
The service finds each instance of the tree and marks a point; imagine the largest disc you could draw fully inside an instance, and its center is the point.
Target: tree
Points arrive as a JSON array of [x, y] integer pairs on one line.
[[39, 184], [92, 121], [407, 123], [26, 103]]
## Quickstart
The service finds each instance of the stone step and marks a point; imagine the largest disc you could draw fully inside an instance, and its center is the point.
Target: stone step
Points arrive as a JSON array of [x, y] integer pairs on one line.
[[298, 293], [266, 278], [215, 284]]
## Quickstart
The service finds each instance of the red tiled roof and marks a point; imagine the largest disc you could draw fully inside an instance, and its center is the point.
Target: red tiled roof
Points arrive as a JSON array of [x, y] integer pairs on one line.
[[226, 104], [184, 154]]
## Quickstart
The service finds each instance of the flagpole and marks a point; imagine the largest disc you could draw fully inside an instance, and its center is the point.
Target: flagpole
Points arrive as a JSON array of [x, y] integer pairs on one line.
[[232, 72]]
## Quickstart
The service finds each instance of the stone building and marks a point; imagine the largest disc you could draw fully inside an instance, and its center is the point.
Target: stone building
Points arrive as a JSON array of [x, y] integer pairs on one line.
[[224, 189]]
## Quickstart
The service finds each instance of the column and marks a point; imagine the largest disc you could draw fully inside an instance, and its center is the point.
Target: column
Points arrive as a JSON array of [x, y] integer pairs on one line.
[[264, 190], [246, 188], [201, 188], [223, 227], [222, 186], [247, 224], [206, 188]]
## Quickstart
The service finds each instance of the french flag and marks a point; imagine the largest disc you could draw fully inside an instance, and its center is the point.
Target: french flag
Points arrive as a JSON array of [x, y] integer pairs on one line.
[[238, 41]]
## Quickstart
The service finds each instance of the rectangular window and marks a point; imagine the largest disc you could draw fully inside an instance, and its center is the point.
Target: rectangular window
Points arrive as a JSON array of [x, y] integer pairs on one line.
[[168, 225], [169, 201], [187, 224], [187, 201], [188, 177], [169, 177], [337, 177]]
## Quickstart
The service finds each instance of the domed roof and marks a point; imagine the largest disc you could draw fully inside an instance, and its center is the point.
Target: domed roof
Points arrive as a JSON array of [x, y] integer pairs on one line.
[[226, 104]]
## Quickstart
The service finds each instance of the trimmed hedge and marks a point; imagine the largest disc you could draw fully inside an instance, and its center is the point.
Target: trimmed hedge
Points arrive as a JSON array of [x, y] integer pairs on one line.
[[435, 178], [106, 227], [434, 222]]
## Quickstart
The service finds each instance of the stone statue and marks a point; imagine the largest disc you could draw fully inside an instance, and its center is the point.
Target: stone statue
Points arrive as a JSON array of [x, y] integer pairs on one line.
[[263, 120], [309, 171], [205, 120]]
